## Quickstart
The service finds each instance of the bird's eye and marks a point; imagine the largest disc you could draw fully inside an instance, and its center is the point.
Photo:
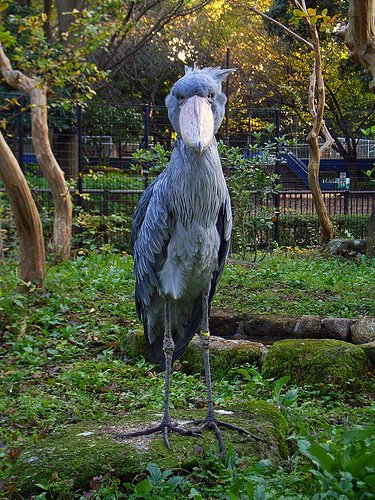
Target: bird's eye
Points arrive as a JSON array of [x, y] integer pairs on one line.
[[211, 95], [180, 97]]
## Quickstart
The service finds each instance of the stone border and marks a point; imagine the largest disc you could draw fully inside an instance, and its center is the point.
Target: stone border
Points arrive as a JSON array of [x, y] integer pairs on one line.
[[267, 329]]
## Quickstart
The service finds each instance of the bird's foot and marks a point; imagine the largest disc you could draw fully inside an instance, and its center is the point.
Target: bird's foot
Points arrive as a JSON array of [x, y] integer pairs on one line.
[[211, 422], [165, 428]]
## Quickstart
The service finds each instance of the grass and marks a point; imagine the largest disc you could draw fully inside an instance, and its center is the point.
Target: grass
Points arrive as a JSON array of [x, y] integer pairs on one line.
[[63, 359], [298, 282]]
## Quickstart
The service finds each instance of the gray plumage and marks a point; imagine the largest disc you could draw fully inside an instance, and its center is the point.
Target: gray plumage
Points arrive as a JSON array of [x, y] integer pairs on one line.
[[180, 238], [182, 225]]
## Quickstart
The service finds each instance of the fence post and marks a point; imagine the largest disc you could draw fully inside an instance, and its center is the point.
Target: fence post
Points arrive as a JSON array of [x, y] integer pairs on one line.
[[276, 201], [146, 139], [346, 202], [80, 155], [21, 159], [276, 197]]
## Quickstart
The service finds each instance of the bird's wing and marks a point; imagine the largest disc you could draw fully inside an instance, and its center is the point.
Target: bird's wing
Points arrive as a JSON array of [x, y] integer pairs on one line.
[[224, 228], [150, 236]]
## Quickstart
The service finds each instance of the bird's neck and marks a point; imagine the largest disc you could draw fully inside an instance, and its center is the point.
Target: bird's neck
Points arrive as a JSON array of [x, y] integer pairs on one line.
[[197, 185], [200, 165]]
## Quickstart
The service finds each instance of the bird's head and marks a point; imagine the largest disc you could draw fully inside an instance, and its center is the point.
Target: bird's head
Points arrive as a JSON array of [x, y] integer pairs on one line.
[[196, 105]]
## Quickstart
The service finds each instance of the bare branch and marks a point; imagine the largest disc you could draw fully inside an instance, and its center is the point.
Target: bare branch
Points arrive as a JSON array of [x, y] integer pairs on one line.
[[282, 26]]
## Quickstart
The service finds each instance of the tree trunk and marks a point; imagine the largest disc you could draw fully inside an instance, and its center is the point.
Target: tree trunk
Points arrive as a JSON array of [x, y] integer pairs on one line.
[[26, 217], [316, 101], [46, 160], [313, 176], [359, 35], [65, 18], [62, 228]]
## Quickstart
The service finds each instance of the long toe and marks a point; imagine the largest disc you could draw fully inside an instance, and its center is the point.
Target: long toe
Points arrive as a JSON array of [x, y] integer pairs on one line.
[[211, 422], [163, 428]]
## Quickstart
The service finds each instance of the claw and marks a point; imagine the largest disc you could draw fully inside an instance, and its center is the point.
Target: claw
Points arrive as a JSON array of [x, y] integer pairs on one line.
[[211, 422], [165, 429]]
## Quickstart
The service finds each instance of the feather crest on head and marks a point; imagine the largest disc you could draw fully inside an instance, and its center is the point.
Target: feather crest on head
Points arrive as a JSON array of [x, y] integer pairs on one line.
[[217, 73]]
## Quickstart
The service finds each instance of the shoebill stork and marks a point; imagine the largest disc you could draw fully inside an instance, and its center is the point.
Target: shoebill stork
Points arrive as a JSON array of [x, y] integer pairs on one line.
[[180, 237]]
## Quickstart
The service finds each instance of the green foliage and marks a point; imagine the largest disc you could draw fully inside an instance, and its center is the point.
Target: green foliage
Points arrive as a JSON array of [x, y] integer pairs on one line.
[[100, 116], [303, 229], [92, 231], [151, 161], [251, 181], [345, 464], [158, 484], [67, 70], [325, 22], [64, 360]]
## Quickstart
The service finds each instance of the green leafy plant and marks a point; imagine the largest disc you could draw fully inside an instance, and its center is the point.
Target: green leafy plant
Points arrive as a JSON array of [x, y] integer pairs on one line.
[[158, 484], [345, 464], [151, 161], [252, 181], [325, 22], [256, 384]]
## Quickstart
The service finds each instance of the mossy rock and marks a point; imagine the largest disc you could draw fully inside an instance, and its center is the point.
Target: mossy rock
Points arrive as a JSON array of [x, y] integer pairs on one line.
[[135, 347], [369, 349], [317, 361], [82, 451], [224, 354]]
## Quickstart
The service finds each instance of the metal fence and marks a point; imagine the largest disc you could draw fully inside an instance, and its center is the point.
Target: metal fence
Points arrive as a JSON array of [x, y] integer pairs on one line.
[[95, 150]]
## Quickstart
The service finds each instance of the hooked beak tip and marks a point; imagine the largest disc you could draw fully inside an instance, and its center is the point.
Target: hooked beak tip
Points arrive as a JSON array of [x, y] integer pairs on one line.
[[200, 148]]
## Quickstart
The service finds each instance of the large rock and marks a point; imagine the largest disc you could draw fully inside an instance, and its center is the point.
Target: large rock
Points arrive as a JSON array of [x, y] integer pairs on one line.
[[336, 328], [224, 323], [346, 248], [314, 327], [369, 349], [317, 361], [268, 328], [308, 327], [224, 354], [363, 330], [82, 451]]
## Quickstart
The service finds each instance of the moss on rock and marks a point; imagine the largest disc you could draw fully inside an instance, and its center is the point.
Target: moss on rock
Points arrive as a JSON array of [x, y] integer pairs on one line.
[[369, 349], [135, 344], [317, 361], [224, 354], [82, 451]]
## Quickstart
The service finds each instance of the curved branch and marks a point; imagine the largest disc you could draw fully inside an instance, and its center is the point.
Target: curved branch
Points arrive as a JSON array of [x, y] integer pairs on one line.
[[282, 26]]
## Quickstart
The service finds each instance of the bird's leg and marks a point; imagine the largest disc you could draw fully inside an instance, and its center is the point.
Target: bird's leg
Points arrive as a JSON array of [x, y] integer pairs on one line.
[[166, 425], [211, 421], [168, 348]]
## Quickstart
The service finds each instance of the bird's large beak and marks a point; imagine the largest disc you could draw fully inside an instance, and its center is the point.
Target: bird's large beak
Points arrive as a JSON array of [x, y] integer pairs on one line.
[[197, 123]]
